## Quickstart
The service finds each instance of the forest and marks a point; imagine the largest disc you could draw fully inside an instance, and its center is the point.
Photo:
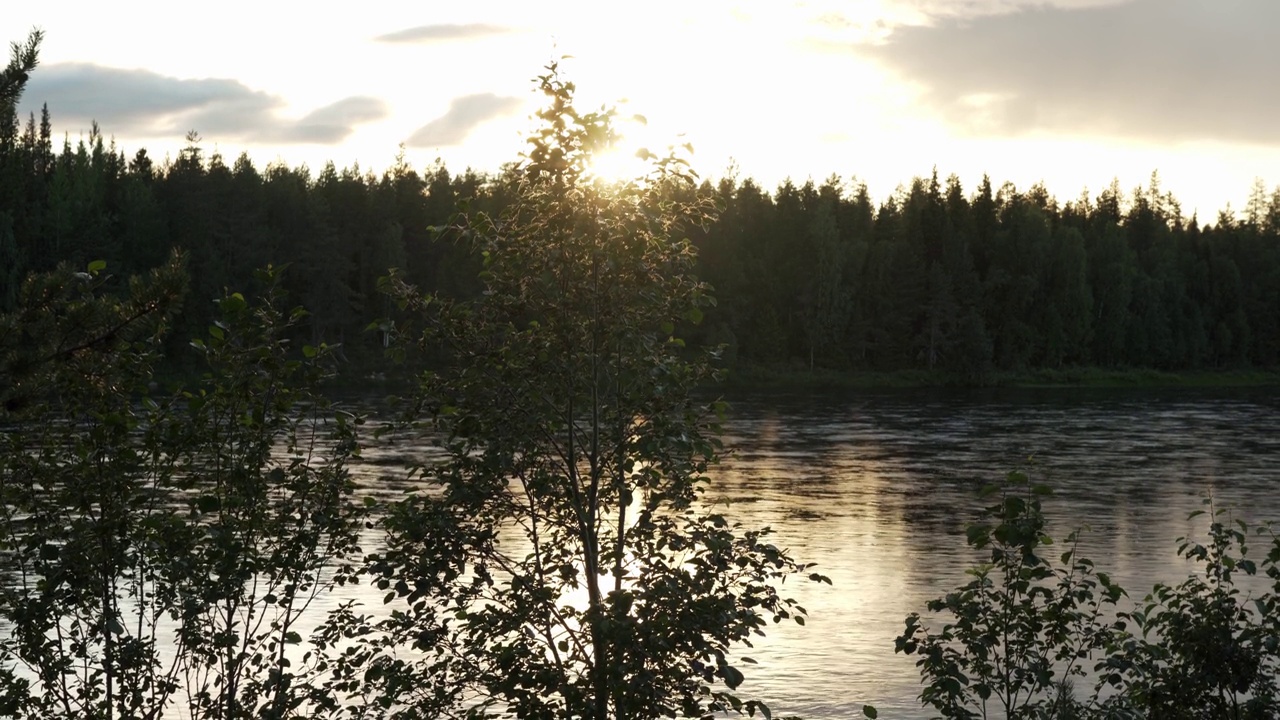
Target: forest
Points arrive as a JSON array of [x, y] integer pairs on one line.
[[814, 275]]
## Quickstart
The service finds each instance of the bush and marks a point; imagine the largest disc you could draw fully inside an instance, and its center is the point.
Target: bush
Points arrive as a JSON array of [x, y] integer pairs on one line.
[[158, 550], [1028, 629]]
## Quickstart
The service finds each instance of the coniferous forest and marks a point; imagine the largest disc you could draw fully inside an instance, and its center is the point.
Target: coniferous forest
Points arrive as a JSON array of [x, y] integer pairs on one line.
[[938, 276]]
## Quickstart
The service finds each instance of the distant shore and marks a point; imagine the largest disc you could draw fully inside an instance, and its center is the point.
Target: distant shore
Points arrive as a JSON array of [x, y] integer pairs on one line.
[[784, 378], [752, 378]]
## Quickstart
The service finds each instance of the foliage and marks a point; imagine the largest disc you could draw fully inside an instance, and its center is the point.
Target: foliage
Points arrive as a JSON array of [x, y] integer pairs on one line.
[[1022, 627], [1026, 631], [1205, 648], [157, 550], [559, 563], [66, 336], [23, 58]]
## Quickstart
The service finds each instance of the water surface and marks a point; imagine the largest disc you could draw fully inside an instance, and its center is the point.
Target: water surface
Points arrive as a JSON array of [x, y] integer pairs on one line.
[[876, 488]]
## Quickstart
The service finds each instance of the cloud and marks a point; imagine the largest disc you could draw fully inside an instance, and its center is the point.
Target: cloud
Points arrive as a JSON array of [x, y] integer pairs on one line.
[[332, 123], [435, 33], [832, 25], [464, 115], [141, 103], [933, 9], [1178, 70]]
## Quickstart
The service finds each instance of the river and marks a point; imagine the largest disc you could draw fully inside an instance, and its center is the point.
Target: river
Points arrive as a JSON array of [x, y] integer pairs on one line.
[[876, 488]]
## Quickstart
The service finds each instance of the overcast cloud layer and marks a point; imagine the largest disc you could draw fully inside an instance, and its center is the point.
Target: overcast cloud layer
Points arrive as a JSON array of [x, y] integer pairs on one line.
[[141, 103], [464, 115], [1176, 70]]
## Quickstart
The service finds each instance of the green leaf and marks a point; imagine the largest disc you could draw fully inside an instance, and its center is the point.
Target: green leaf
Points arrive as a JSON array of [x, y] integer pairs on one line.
[[233, 303], [732, 677], [977, 534], [870, 711], [97, 266]]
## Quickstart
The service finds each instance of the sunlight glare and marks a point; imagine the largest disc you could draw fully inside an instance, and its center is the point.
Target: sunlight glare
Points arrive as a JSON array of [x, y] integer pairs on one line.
[[629, 158], [619, 165]]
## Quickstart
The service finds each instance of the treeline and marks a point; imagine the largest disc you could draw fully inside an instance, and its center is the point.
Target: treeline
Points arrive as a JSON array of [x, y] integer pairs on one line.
[[814, 275], [336, 233], [939, 278]]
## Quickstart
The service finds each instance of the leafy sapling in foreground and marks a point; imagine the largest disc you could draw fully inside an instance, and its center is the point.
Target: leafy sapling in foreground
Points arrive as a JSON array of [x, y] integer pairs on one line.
[[1205, 648], [159, 551], [559, 562], [1021, 635], [1023, 628]]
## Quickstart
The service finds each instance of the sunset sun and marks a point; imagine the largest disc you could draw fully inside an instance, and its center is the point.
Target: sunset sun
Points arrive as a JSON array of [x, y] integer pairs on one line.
[[630, 156]]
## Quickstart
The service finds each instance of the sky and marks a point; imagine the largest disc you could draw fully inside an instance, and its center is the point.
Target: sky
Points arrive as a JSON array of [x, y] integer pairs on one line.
[[1070, 93]]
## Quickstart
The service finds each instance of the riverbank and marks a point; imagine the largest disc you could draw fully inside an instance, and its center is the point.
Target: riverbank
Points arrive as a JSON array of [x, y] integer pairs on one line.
[[751, 378], [780, 378]]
